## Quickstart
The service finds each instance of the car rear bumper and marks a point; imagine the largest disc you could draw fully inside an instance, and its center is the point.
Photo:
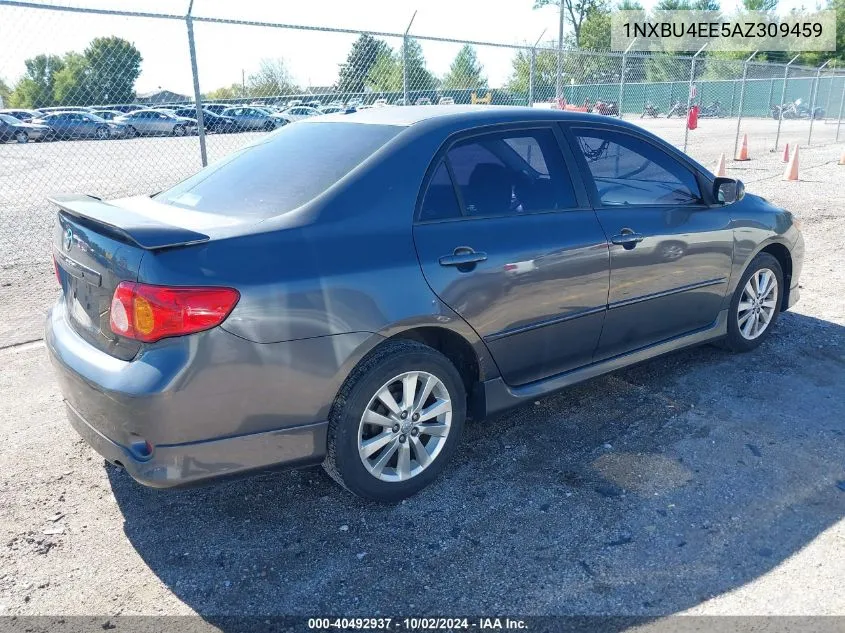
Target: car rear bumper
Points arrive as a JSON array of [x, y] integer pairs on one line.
[[195, 462], [202, 406]]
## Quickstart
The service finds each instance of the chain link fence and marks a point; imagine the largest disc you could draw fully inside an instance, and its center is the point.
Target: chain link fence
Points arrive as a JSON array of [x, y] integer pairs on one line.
[[76, 122]]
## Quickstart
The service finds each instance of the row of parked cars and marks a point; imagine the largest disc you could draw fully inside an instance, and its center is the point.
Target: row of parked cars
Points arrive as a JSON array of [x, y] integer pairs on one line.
[[130, 120]]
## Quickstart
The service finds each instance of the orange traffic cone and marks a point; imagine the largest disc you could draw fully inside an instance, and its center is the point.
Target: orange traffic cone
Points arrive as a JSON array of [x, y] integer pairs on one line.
[[786, 153], [842, 158], [720, 167], [743, 151], [791, 171]]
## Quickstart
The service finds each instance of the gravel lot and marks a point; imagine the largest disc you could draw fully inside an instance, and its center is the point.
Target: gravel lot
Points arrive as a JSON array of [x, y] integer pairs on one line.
[[702, 482]]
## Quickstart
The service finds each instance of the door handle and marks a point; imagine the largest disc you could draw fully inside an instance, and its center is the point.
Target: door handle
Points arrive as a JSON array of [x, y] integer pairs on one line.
[[627, 238], [463, 256]]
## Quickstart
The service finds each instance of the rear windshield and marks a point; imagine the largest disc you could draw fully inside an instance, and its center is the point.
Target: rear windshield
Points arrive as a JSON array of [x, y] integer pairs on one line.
[[283, 171]]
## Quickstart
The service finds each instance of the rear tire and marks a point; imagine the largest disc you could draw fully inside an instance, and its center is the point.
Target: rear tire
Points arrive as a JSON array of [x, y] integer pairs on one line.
[[131, 132], [269, 126], [102, 133], [751, 320], [406, 450]]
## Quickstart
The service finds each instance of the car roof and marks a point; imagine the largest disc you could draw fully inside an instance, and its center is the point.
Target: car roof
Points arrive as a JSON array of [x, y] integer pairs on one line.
[[469, 115]]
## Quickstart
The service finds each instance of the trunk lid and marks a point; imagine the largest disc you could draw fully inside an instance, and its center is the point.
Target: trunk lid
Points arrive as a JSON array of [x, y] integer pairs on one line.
[[97, 244]]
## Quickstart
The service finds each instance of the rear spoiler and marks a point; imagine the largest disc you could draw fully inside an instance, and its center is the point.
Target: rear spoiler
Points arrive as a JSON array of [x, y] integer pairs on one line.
[[146, 232]]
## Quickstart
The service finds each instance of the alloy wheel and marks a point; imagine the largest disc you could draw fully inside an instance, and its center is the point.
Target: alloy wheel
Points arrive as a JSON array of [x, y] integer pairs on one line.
[[758, 304], [405, 425]]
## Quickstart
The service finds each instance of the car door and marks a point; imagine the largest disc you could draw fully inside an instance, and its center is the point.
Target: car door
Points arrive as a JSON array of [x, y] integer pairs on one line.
[[87, 126], [670, 248], [506, 238]]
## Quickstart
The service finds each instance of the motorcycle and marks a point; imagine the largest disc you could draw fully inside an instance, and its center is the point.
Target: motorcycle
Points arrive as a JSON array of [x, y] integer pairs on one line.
[[607, 108], [796, 110], [650, 111], [678, 108], [714, 110]]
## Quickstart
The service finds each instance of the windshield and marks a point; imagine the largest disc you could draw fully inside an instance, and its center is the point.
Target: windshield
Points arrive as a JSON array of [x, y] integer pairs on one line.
[[283, 171]]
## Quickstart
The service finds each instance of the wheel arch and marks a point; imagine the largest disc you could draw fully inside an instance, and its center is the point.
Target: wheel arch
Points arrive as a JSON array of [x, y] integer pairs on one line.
[[783, 255]]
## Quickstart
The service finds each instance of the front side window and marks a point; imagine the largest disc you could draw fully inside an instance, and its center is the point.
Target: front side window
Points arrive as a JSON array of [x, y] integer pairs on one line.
[[629, 171], [511, 172]]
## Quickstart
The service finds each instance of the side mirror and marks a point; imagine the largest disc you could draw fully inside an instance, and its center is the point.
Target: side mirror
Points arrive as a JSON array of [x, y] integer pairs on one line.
[[728, 190]]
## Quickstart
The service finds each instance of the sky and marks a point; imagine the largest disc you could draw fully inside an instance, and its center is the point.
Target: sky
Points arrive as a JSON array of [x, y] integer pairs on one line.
[[225, 52]]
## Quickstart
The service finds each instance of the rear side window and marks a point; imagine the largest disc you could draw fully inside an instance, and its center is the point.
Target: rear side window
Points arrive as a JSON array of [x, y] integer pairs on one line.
[[281, 172], [630, 171], [509, 173]]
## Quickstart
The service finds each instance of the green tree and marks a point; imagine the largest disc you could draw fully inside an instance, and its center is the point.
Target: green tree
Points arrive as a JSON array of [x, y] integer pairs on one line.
[[114, 66], [271, 79], [385, 75], [465, 71], [35, 89], [545, 71], [361, 59], [71, 84], [760, 5], [226, 92], [575, 12], [419, 77], [5, 92], [595, 32]]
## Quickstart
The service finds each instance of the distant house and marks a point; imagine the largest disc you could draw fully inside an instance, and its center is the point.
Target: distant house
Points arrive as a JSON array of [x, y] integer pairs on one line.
[[161, 96]]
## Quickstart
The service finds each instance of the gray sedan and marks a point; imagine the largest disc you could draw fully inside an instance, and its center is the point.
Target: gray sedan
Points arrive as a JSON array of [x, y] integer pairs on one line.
[[250, 118], [68, 125], [12, 129], [156, 123], [349, 289]]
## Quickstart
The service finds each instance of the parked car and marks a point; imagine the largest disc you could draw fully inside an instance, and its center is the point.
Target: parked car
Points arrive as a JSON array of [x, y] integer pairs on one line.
[[249, 118], [216, 108], [314, 104], [23, 114], [380, 103], [64, 109], [108, 115], [423, 101], [212, 122], [298, 113], [331, 109], [353, 312], [156, 123], [12, 129], [293, 103], [446, 101], [121, 107], [68, 125]]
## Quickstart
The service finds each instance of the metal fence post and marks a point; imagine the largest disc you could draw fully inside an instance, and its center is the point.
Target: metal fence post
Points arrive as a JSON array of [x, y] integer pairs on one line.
[[830, 88], [815, 94], [559, 73], [841, 103], [689, 94], [405, 62], [742, 99], [622, 77], [197, 96], [532, 69], [782, 97]]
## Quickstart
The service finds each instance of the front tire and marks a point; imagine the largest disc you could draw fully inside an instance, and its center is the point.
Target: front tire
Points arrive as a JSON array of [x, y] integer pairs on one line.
[[102, 133], [179, 130], [396, 422], [22, 137], [755, 305]]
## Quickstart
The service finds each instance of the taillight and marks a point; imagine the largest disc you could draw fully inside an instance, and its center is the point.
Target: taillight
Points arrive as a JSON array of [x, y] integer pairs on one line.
[[56, 270], [149, 313]]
